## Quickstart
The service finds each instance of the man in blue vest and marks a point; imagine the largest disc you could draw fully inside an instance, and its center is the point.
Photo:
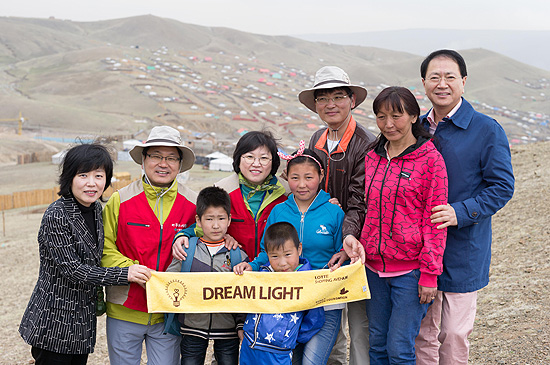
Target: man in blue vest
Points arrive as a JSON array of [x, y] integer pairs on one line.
[[481, 181]]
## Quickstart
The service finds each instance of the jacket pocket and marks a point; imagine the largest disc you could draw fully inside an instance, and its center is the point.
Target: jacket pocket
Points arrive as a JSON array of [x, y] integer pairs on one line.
[[138, 224]]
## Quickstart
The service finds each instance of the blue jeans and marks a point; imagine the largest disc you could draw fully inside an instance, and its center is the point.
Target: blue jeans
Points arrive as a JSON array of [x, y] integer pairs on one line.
[[193, 350], [395, 313], [317, 350]]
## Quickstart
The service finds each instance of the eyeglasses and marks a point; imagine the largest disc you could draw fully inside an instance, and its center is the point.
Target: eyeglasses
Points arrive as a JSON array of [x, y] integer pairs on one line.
[[249, 159], [449, 79], [324, 100], [169, 160]]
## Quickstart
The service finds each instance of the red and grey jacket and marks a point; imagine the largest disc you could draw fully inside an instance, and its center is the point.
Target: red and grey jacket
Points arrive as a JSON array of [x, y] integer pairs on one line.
[[400, 194], [142, 238], [247, 231]]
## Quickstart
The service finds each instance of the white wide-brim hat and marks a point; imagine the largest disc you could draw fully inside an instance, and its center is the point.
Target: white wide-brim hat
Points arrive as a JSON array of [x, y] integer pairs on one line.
[[167, 137], [330, 77]]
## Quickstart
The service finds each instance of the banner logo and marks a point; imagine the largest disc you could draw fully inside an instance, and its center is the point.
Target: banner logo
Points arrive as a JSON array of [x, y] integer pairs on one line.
[[176, 291]]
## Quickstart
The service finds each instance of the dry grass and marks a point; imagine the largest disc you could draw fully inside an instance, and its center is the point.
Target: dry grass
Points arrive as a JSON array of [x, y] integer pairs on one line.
[[513, 318]]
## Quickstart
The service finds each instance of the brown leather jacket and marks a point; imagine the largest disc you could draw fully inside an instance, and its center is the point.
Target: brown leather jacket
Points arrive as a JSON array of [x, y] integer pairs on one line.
[[345, 172]]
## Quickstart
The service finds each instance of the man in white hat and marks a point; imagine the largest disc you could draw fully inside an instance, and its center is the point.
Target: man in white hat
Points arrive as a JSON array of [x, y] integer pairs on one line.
[[140, 222], [342, 146]]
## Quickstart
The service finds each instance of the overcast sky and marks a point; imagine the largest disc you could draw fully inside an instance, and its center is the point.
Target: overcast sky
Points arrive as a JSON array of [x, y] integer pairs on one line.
[[304, 16]]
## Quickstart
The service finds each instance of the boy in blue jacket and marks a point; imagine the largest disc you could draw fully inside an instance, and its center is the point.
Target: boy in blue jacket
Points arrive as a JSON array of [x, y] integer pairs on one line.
[[270, 338]]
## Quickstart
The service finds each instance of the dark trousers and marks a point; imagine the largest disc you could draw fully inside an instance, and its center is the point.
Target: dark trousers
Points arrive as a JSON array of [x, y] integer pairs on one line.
[[193, 351], [45, 357]]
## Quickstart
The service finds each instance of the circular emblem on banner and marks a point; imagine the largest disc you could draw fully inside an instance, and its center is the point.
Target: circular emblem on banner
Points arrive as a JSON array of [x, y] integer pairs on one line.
[[176, 291]]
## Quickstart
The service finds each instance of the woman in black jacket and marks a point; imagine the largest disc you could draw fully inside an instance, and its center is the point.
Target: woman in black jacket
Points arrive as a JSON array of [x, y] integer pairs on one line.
[[60, 320]]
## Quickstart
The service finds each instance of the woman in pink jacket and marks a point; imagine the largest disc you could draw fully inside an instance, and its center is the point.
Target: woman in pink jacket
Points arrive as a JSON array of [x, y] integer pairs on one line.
[[405, 178]]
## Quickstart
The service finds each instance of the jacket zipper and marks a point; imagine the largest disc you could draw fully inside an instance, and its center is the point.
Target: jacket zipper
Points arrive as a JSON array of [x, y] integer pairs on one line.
[[256, 243], [302, 219], [211, 270], [158, 253], [138, 224], [380, 218], [256, 330]]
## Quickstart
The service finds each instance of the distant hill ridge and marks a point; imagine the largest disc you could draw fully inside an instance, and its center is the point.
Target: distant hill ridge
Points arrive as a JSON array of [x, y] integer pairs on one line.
[[101, 77], [521, 45]]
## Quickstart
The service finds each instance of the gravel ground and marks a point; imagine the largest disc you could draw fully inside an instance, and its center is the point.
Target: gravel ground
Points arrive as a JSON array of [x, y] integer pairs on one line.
[[513, 317]]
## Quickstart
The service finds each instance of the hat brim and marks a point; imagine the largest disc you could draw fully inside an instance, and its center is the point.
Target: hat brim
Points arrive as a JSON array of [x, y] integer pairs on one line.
[[307, 97], [187, 156]]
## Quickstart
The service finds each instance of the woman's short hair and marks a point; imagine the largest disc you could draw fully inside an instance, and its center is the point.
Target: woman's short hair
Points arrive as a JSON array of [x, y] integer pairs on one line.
[[252, 140], [84, 158]]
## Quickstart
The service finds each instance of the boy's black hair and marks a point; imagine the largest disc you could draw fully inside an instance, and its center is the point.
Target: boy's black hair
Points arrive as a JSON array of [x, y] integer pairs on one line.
[[448, 53], [278, 233], [84, 158], [213, 196]]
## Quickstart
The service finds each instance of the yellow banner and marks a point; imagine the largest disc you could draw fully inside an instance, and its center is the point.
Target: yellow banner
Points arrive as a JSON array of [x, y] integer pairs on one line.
[[255, 292]]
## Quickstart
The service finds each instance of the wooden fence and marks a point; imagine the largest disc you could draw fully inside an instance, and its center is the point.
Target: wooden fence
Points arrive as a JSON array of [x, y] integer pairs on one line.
[[31, 198]]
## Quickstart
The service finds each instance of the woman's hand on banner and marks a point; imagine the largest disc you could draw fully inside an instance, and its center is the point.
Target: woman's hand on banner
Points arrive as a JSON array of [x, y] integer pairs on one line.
[[354, 249]]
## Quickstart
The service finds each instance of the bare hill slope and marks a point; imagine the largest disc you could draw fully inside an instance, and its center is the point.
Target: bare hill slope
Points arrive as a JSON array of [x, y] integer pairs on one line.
[[101, 77]]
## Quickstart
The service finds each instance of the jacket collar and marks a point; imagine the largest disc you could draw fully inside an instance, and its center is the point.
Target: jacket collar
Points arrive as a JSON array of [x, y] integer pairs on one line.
[[153, 192], [76, 218], [321, 198], [380, 149], [302, 261], [344, 141], [461, 118]]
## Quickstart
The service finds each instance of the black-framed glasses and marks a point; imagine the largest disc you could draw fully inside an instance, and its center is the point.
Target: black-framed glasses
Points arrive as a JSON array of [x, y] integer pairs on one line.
[[170, 159]]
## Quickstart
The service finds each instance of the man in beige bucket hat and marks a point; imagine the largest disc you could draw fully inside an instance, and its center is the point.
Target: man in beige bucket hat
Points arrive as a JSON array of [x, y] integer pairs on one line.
[[140, 222], [342, 146]]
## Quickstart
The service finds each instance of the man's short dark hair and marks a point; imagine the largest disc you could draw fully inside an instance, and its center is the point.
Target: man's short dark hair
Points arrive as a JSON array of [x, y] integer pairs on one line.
[[84, 158], [277, 234], [252, 140], [448, 53], [213, 196]]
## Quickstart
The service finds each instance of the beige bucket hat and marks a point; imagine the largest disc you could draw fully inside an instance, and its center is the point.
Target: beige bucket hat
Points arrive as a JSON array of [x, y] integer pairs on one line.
[[168, 137], [330, 77]]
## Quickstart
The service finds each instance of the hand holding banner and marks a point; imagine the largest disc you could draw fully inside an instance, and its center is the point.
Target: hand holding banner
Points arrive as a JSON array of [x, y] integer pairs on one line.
[[254, 292]]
